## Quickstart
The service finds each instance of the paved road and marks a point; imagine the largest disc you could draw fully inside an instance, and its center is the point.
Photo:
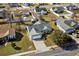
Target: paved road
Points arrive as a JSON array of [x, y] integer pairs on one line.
[[57, 52]]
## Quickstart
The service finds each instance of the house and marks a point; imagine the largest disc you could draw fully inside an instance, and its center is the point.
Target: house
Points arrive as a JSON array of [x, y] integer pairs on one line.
[[3, 5], [3, 15], [7, 36], [26, 13], [60, 12], [12, 34], [38, 29], [6, 33], [28, 4], [72, 23], [72, 7], [64, 27], [17, 15], [58, 9], [14, 4], [42, 4], [56, 3], [41, 10]]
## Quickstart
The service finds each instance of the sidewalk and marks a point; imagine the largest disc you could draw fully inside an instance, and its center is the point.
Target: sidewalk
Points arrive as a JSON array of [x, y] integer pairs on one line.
[[34, 51], [19, 54]]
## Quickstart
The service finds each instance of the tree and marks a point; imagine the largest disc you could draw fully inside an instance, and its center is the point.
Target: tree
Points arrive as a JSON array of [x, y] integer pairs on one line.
[[60, 38]]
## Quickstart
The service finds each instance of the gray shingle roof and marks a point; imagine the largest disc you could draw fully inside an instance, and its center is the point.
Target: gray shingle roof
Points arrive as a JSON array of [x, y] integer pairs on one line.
[[3, 13], [39, 27], [71, 23], [40, 9], [61, 23]]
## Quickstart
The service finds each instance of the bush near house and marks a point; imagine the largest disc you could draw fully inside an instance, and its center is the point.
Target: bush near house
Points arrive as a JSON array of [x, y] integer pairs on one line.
[[61, 38]]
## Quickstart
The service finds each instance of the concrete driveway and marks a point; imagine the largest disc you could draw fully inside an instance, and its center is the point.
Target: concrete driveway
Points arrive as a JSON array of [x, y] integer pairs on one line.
[[40, 46]]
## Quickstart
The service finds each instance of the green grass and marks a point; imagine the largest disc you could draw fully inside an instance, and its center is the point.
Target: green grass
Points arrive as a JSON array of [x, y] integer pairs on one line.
[[29, 18], [49, 41], [76, 11], [49, 18], [24, 44]]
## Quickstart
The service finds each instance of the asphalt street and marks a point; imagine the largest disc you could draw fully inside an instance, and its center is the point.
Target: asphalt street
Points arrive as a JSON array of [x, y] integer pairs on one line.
[[57, 52]]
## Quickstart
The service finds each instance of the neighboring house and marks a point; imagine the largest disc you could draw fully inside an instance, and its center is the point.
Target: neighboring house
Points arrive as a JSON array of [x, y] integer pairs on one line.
[[26, 14], [12, 34], [6, 34], [56, 3], [14, 4], [17, 15], [3, 5], [64, 27], [58, 9], [42, 4], [72, 23], [61, 11], [28, 4], [41, 10], [72, 7], [3, 15], [38, 29]]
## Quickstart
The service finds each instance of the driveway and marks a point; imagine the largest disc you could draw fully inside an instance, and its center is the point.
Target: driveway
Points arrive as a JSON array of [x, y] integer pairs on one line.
[[40, 46]]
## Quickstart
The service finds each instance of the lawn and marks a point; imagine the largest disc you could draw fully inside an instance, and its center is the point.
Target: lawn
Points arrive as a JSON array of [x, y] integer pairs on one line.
[[50, 18], [24, 44], [76, 11], [49, 41], [29, 18]]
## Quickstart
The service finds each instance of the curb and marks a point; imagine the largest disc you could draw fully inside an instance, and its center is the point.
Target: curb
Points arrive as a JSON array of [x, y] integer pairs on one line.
[[20, 54], [55, 46]]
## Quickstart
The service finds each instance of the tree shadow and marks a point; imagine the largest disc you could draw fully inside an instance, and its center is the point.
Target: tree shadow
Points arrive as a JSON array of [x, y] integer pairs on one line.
[[69, 46], [15, 46], [18, 37], [25, 23], [45, 20]]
